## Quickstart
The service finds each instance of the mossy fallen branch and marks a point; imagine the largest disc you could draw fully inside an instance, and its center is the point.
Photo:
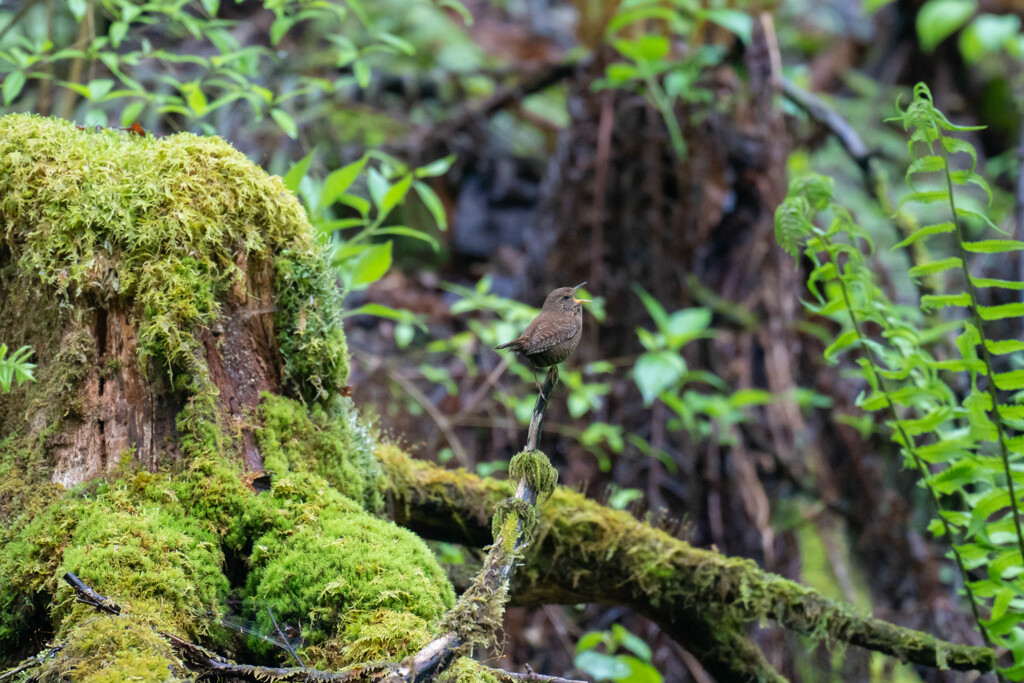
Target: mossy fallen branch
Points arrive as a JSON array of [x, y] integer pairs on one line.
[[476, 618], [587, 552]]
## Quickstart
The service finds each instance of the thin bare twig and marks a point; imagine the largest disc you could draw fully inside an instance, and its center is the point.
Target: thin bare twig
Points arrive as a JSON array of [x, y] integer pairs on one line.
[[284, 639], [86, 595]]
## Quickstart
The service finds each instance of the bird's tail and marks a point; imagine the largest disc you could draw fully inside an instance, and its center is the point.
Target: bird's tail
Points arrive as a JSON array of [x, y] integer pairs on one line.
[[515, 345]]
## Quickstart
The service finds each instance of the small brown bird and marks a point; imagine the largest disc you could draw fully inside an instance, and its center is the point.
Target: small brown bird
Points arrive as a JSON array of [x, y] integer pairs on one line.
[[554, 334]]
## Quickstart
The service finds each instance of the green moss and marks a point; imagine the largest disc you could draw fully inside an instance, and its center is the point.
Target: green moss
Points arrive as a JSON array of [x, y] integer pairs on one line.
[[524, 514], [332, 564], [333, 444], [163, 561], [535, 467], [162, 223], [465, 670], [109, 649], [315, 352], [384, 635]]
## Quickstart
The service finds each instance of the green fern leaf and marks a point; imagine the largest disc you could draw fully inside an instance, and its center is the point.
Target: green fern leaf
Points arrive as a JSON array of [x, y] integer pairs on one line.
[[925, 197], [992, 282], [936, 267], [792, 225], [993, 246], [1003, 346], [1001, 311], [1009, 381], [930, 302], [924, 232]]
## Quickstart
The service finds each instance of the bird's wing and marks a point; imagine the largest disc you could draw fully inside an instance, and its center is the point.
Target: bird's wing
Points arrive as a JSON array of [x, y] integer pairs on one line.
[[543, 337]]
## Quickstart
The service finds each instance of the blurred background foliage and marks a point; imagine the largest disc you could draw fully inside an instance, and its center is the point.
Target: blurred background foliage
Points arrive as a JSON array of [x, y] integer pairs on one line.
[[460, 159]]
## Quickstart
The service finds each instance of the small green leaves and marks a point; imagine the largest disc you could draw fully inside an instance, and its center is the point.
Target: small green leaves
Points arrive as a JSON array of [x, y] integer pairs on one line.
[[337, 182], [280, 116], [13, 83], [656, 371], [15, 368], [298, 172], [939, 19]]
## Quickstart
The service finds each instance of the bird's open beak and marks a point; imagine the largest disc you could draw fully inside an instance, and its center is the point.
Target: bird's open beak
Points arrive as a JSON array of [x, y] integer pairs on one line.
[[579, 301]]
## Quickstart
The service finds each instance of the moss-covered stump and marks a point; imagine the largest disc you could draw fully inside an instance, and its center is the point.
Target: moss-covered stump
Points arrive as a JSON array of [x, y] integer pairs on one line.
[[156, 271], [187, 333]]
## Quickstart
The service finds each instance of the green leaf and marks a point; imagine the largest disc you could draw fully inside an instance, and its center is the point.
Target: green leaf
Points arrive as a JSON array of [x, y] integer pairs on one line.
[[338, 181], [928, 231], [395, 195], [992, 282], [117, 32], [929, 302], [378, 186], [368, 267], [285, 121], [362, 72], [590, 640], [1009, 381], [1001, 311], [954, 477], [939, 19], [403, 231], [131, 112], [631, 642], [298, 172], [686, 325], [646, 48], [433, 204], [926, 197], [399, 44], [78, 8], [279, 28], [993, 246], [988, 33], [381, 311], [656, 371], [733, 20], [436, 168], [750, 397], [13, 84], [601, 666], [936, 267], [1004, 346], [196, 100], [841, 344]]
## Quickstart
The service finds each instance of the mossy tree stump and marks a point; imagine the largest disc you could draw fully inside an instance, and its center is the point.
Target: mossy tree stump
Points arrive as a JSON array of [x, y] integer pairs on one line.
[[187, 333]]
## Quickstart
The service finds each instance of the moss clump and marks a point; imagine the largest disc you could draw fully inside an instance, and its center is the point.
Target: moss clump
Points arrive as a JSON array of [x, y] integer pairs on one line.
[[465, 670], [163, 223], [525, 514], [536, 469], [164, 562], [331, 443], [110, 649], [384, 635], [315, 352], [333, 565]]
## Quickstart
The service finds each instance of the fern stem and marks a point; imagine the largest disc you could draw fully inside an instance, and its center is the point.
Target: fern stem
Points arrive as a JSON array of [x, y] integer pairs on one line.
[[908, 444], [986, 356]]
